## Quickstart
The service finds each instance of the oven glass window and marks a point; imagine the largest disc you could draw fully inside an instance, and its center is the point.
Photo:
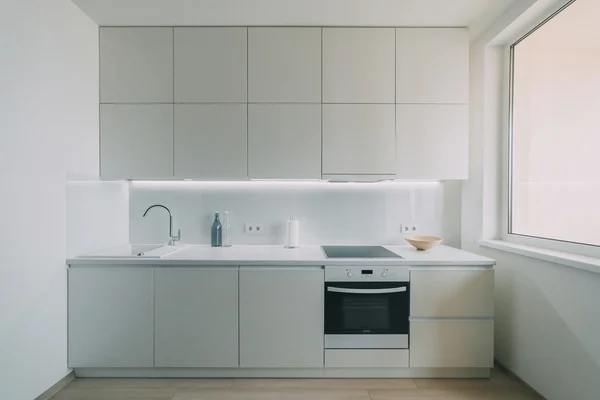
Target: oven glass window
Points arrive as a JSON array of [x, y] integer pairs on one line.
[[348, 311], [366, 313]]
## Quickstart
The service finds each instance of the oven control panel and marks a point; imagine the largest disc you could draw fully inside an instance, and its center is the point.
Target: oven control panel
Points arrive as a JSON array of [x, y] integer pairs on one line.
[[339, 273]]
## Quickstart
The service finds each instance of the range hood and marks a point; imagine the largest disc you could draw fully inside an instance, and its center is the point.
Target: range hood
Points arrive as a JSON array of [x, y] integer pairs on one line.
[[369, 178]]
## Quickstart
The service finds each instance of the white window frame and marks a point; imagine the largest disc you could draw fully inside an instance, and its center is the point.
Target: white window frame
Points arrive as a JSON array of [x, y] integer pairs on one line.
[[544, 243]]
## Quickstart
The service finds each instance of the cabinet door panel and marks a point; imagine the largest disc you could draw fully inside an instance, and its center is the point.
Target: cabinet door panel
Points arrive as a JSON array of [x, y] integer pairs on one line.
[[284, 65], [210, 65], [453, 293], [211, 141], [432, 141], [452, 344], [358, 65], [432, 65], [136, 141], [284, 141], [136, 65], [110, 317], [281, 317], [196, 317], [358, 139]]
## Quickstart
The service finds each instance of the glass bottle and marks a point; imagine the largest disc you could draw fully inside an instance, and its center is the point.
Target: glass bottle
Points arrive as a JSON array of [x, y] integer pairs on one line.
[[216, 233], [226, 226]]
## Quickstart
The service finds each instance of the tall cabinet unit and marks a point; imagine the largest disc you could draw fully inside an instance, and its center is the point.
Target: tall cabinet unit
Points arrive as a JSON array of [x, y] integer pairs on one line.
[[210, 125], [136, 96], [432, 96], [284, 111], [358, 101]]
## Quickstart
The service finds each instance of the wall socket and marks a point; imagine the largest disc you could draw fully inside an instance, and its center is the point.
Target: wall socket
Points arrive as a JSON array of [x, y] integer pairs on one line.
[[254, 228], [408, 229]]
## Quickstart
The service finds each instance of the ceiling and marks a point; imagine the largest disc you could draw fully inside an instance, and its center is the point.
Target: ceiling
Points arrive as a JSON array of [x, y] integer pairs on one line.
[[475, 14]]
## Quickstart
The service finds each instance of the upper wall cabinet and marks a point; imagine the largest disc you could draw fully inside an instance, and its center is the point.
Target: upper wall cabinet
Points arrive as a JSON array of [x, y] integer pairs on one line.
[[210, 65], [359, 139], [432, 141], [284, 65], [136, 65], [284, 141], [358, 65], [211, 141], [432, 65], [136, 141]]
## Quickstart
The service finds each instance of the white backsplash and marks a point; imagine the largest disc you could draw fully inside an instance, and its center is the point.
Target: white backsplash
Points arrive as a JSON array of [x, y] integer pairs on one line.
[[329, 213]]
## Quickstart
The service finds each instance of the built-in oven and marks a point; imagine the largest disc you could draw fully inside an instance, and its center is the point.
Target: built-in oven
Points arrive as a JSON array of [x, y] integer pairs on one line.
[[367, 307]]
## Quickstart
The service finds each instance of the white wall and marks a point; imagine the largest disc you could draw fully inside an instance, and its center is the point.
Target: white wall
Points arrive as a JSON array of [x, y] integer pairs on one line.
[[97, 215], [547, 322], [547, 325], [329, 213], [49, 128]]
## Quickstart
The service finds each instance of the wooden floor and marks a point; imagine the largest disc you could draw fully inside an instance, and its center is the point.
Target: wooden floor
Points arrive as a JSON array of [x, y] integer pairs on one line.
[[499, 387]]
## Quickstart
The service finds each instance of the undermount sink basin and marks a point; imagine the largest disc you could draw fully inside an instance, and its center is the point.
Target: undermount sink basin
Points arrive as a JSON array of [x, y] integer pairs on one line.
[[135, 251]]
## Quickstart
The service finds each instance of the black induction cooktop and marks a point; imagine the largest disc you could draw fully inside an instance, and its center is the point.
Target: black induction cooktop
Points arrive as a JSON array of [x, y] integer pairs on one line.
[[358, 252]]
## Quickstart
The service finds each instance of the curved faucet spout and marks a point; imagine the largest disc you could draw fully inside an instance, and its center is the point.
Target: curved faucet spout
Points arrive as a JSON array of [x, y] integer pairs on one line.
[[172, 237]]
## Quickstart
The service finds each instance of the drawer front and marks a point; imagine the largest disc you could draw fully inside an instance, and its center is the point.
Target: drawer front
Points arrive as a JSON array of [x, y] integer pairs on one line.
[[366, 358], [452, 293], [452, 344]]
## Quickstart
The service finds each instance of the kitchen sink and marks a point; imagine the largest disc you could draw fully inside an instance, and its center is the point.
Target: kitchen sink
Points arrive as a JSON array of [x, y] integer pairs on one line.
[[135, 251]]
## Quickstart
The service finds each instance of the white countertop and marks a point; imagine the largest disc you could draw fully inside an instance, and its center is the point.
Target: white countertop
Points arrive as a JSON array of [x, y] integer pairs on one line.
[[258, 255]]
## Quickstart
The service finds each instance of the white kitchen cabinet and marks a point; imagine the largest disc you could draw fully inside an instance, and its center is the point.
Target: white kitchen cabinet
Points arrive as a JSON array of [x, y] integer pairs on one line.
[[110, 317], [281, 317], [284, 65], [196, 317], [451, 343], [211, 141], [136, 141], [284, 141], [210, 64], [136, 65], [432, 141], [359, 139], [466, 293], [359, 65], [432, 65]]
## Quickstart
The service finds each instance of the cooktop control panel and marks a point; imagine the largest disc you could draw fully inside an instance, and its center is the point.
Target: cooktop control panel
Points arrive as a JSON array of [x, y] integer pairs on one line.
[[339, 273]]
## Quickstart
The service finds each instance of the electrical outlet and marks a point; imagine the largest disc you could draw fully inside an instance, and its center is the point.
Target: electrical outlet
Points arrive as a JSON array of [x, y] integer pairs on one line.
[[408, 228], [254, 228]]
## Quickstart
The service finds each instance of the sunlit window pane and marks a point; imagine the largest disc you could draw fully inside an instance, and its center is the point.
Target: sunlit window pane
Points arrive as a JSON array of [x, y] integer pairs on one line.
[[555, 182]]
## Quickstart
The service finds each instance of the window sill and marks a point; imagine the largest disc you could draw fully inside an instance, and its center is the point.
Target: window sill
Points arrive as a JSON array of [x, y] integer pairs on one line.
[[585, 263]]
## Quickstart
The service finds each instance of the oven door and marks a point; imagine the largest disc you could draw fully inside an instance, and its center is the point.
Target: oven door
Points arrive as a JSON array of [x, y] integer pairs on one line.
[[367, 315]]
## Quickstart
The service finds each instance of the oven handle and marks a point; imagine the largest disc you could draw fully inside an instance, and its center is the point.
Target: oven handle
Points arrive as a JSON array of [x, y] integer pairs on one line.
[[366, 291]]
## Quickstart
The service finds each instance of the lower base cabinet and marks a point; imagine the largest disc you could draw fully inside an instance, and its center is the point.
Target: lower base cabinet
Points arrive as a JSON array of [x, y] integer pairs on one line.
[[452, 344], [196, 317], [281, 317], [110, 317]]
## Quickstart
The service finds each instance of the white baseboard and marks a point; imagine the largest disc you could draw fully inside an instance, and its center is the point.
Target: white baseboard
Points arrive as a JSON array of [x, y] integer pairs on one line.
[[57, 387], [282, 373]]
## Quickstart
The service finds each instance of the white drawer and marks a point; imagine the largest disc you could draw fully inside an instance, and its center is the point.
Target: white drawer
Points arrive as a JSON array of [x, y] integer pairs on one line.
[[366, 358], [452, 344], [452, 293]]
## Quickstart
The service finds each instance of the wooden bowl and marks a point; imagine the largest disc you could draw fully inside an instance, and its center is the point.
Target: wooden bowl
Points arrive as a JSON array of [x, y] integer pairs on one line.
[[423, 243]]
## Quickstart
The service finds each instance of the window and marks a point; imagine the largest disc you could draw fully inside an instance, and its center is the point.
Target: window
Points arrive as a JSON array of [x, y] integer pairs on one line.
[[554, 176]]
